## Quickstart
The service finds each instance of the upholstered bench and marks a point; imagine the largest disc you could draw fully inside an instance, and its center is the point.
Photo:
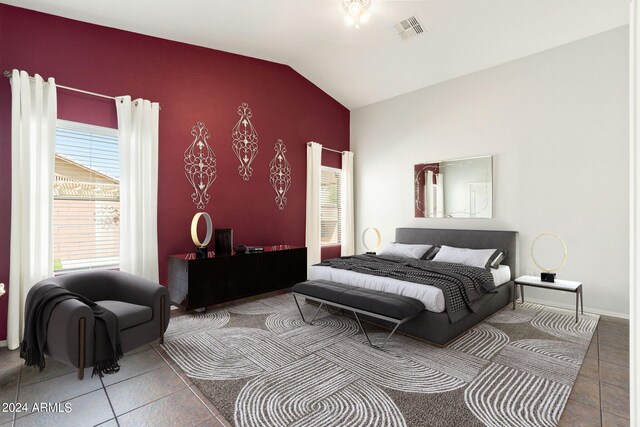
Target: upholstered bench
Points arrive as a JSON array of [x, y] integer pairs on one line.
[[382, 305]]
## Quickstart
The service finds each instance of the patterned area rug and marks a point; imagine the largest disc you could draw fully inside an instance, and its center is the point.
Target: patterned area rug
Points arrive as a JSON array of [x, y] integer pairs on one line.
[[260, 365]]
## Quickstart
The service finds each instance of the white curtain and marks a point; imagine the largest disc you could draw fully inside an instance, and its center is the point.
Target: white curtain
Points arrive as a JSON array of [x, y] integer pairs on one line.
[[430, 208], [312, 240], [435, 195], [33, 131], [138, 137], [439, 195], [347, 239]]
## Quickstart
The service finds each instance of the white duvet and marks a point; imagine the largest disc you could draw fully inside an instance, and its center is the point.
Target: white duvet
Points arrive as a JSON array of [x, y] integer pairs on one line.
[[431, 297]]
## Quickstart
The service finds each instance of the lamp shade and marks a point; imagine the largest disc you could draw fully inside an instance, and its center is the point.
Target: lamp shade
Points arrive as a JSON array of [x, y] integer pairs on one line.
[[194, 229], [368, 234], [536, 261]]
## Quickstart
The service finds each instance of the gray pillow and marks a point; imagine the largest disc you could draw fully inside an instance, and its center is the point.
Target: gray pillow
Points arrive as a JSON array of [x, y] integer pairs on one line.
[[431, 253], [480, 258], [404, 250], [497, 258]]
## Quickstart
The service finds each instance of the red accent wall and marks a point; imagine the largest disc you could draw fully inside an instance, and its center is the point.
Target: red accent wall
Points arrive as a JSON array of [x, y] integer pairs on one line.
[[191, 84]]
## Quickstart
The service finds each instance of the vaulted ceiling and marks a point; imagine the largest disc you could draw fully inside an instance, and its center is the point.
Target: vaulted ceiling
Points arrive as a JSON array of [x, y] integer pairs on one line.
[[366, 65]]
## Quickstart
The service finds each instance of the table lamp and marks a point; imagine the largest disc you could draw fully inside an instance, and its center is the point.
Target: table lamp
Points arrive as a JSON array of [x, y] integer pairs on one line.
[[547, 274], [371, 250], [201, 246]]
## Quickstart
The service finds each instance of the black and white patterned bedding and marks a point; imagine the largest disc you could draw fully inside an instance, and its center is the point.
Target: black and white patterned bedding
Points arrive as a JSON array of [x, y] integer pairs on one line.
[[462, 286]]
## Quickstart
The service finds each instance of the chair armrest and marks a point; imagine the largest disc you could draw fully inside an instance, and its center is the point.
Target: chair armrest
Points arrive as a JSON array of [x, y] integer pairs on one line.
[[133, 289], [63, 332], [136, 290]]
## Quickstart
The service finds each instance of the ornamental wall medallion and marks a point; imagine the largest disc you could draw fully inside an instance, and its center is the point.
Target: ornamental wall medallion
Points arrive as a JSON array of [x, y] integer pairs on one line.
[[280, 174], [200, 165], [245, 141]]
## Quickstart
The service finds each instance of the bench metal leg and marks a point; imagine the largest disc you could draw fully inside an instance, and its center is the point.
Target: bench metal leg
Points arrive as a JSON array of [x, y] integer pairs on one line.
[[367, 336], [392, 332], [398, 323], [365, 332], [302, 315]]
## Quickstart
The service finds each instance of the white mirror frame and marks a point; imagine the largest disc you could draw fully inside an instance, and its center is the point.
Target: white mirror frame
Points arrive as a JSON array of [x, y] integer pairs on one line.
[[420, 202]]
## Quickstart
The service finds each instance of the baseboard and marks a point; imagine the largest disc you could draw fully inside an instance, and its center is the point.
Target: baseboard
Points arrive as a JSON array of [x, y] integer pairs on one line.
[[3, 343], [573, 307]]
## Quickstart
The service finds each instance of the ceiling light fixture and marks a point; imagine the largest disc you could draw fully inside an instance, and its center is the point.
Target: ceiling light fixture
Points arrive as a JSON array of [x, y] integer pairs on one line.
[[356, 11]]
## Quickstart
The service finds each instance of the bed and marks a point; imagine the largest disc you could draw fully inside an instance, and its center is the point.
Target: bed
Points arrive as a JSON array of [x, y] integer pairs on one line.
[[434, 323]]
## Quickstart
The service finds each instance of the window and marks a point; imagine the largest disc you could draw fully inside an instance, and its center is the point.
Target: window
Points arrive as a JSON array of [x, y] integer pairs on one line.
[[86, 197], [330, 206]]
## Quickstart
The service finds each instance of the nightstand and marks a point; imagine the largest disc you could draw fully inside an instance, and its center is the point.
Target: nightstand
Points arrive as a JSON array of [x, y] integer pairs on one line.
[[559, 285]]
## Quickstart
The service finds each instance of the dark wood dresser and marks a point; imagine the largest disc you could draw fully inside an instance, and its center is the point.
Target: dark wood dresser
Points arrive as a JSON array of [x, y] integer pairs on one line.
[[196, 283]]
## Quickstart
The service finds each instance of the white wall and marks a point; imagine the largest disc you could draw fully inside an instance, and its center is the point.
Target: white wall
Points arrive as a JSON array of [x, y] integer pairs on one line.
[[557, 125]]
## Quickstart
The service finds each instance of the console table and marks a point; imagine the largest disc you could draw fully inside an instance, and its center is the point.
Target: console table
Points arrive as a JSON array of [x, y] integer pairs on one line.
[[197, 283], [558, 285]]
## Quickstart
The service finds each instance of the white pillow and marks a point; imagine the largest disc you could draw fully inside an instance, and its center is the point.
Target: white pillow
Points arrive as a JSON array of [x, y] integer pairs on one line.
[[403, 250], [471, 257]]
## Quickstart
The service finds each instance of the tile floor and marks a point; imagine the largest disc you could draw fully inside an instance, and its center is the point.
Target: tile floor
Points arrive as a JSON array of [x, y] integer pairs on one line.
[[600, 396], [151, 390]]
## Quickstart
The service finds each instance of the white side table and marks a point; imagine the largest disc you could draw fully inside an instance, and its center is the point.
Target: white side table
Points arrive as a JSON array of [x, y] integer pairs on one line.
[[559, 285]]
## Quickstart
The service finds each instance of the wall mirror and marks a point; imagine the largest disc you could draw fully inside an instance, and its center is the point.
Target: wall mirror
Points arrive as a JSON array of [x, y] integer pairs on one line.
[[460, 188]]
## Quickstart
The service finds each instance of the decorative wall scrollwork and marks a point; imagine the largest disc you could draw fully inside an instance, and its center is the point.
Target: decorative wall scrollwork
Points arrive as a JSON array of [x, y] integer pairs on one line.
[[280, 174], [245, 141], [200, 165], [418, 185]]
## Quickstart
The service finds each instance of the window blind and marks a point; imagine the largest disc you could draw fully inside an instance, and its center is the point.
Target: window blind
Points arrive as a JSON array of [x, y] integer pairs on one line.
[[86, 205], [330, 206]]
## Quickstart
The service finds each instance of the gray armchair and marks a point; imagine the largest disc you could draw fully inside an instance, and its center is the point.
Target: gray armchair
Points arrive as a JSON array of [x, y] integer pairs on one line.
[[142, 308]]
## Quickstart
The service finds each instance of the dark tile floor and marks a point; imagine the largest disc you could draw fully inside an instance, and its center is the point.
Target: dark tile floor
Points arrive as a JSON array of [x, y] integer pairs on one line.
[[600, 396], [151, 390]]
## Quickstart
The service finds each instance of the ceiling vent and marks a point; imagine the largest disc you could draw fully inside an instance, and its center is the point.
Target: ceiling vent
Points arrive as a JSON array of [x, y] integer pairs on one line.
[[409, 28]]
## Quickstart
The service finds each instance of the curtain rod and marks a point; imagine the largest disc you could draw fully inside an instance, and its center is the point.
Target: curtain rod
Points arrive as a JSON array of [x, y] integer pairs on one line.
[[329, 149], [7, 74]]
